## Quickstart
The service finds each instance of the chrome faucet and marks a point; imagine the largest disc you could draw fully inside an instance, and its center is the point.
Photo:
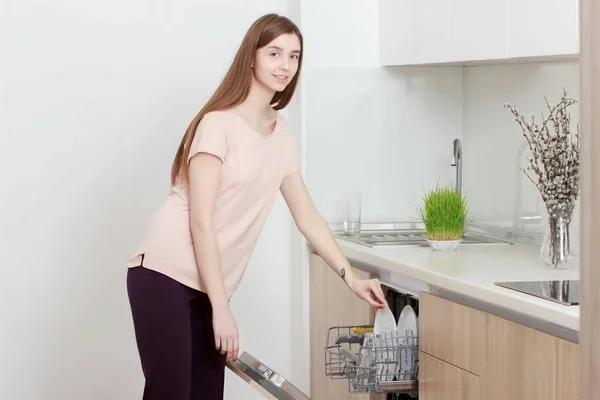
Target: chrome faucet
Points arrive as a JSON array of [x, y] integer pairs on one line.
[[457, 162]]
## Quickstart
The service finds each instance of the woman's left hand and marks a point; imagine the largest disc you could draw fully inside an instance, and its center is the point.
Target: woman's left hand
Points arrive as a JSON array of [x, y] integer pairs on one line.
[[369, 290]]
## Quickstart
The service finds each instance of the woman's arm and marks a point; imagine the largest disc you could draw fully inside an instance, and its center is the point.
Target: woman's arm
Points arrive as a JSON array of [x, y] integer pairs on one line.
[[204, 172], [316, 230]]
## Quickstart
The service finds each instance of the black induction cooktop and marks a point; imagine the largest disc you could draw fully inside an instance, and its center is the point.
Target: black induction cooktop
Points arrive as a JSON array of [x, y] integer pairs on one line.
[[563, 292]]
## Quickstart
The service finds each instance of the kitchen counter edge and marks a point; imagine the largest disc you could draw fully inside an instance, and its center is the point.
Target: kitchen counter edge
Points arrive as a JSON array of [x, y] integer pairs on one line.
[[543, 315]]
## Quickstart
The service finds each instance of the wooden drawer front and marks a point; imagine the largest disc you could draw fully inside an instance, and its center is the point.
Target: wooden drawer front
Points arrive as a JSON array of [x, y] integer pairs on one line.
[[567, 370], [440, 380], [452, 332], [521, 363]]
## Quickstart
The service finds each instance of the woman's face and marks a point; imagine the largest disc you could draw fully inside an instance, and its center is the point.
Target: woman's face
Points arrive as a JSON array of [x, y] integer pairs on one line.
[[276, 64]]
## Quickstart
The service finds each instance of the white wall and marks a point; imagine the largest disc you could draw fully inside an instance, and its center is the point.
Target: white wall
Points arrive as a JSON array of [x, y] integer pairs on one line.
[[94, 101], [493, 142], [385, 132]]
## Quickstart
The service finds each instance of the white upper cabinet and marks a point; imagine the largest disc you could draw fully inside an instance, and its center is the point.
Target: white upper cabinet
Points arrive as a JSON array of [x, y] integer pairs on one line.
[[542, 28], [413, 32], [430, 29], [340, 33], [477, 30], [446, 31], [436, 31], [397, 32]]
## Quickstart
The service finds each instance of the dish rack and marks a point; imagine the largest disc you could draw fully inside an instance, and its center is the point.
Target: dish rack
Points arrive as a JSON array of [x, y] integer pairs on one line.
[[373, 363]]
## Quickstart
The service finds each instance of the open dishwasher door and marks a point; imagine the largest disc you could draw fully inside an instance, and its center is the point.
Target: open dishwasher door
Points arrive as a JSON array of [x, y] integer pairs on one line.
[[264, 379]]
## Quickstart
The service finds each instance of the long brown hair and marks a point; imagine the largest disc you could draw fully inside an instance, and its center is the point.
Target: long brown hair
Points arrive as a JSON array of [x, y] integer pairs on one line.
[[235, 86]]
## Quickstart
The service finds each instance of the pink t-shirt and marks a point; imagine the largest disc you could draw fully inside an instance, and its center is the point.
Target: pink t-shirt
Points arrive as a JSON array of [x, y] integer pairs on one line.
[[254, 166]]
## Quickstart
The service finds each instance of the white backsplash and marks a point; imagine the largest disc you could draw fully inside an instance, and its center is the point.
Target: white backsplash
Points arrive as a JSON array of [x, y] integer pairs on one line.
[[385, 132], [388, 132], [493, 144]]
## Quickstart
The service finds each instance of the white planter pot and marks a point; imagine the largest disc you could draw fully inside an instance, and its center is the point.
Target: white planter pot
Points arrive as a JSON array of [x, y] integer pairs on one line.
[[444, 245]]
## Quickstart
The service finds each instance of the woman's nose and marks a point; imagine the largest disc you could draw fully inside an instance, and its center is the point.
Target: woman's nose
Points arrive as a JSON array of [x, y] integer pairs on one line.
[[285, 64]]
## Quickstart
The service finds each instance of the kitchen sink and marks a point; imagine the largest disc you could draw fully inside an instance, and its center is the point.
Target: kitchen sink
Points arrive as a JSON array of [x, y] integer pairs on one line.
[[412, 237]]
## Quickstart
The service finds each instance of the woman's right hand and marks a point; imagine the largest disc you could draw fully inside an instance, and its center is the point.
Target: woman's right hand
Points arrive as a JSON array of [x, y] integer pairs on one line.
[[226, 333]]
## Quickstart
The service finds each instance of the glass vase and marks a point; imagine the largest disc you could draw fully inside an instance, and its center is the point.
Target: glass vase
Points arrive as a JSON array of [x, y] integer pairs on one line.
[[556, 251]]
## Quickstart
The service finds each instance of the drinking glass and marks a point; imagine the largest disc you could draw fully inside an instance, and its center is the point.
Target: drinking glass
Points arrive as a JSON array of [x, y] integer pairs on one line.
[[352, 214]]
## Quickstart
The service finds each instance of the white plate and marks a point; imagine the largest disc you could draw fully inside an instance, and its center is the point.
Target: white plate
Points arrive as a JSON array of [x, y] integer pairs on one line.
[[406, 322], [384, 325], [384, 321], [364, 374]]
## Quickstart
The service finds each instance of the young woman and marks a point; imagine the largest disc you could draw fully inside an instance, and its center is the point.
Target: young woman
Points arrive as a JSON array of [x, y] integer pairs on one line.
[[236, 155]]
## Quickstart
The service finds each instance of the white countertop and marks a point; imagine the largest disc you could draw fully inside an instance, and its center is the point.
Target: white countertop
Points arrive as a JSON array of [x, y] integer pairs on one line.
[[472, 271]]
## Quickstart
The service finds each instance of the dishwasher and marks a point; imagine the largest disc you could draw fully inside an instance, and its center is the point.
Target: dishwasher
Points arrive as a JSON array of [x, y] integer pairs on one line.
[[268, 382], [353, 353], [386, 363]]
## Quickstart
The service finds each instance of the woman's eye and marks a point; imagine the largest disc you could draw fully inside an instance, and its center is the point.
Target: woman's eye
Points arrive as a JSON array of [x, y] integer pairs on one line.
[[274, 54], [295, 56]]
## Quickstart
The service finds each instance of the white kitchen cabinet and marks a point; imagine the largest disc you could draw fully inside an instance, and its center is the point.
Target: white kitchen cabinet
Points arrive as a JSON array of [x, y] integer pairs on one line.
[[476, 30], [397, 36], [442, 31], [417, 32], [340, 33], [413, 32], [542, 28], [430, 44]]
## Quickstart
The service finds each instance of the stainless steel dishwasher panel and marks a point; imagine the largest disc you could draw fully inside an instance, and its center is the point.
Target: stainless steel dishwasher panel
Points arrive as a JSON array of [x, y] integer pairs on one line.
[[264, 379]]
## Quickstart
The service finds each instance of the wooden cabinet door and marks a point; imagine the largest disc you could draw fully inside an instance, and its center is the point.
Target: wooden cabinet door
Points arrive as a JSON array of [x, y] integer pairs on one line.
[[567, 370], [452, 332], [513, 361], [440, 380], [521, 363], [331, 304]]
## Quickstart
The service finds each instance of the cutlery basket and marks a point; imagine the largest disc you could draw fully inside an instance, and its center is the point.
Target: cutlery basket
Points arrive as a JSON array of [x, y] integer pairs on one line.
[[382, 363]]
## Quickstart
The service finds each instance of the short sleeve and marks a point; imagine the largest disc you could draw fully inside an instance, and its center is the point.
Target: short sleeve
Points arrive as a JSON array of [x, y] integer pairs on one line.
[[293, 158], [210, 137]]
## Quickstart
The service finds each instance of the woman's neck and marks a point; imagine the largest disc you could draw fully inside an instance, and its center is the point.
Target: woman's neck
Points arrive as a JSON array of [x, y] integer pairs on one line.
[[257, 110], [258, 102]]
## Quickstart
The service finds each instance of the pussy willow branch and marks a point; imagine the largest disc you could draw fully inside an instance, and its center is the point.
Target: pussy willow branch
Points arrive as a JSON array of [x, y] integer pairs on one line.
[[554, 163]]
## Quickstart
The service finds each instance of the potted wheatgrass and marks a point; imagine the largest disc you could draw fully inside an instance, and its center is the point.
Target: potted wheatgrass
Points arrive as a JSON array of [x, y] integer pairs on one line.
[[444, 212]]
